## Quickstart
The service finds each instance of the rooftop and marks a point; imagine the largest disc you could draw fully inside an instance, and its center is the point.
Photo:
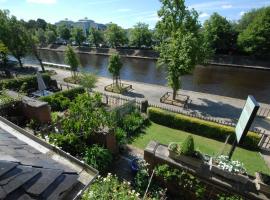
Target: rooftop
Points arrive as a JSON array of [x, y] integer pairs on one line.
[[33, 169]]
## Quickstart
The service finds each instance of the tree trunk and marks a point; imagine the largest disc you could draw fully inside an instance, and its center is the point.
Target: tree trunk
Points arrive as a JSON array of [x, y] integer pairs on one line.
[[20, 62], [174, 94]]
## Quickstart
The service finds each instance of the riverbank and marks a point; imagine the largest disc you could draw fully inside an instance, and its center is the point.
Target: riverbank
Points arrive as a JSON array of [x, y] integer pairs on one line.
[[148, 54]]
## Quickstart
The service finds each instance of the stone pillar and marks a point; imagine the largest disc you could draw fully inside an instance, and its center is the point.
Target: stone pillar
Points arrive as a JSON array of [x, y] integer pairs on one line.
[[144, 106]]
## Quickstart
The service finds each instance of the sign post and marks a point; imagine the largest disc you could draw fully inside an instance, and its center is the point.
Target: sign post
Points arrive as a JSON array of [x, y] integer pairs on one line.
[[245, 121]]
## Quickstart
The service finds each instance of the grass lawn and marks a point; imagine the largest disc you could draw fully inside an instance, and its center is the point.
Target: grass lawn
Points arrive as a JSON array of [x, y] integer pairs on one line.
[[252, 160]]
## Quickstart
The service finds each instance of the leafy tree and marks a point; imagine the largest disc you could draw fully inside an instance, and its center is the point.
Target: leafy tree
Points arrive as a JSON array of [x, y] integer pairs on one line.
[[4, 18], [18, 40], [3, 54], [78, 35], [115, 36], [72, 60], [41, 37], [50, 36], [140, 35], [41, 24], [255, 39], [114, 67], [64, 32], [220, 34], [88, 81], [182, 45], [34, 44], [31, 24], [95, 37]]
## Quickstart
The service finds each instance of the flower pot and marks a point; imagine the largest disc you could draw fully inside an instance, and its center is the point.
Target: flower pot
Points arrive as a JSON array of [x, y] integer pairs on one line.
[[194, 162], [229, 175], [261, 185]]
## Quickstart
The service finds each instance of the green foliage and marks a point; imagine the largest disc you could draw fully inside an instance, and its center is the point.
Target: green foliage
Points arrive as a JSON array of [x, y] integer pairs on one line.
[[88, 80], [182, 45], [219, 33], [40, 34], [229, 197], [3, 54], [95, 37], [50, 36], [187, 146], [64, 32], [200, 127], [29, 83], [70, 143], [110, 188], [132, 123], [115, 65], [72, 60], [115, 36], [140, 35], [255, 38], [121, 136], [99, 158], [78, 35], [60, 101]]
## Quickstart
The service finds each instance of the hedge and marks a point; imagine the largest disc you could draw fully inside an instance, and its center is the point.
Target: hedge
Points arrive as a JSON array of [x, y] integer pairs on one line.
[[200, 127], [24, 84], [60, 101]]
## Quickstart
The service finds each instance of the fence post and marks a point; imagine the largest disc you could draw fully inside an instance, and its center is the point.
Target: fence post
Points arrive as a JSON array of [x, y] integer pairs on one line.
[[144, 106]]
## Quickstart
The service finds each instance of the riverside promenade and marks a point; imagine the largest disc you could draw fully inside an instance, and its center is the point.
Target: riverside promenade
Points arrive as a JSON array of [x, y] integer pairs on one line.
[[221, 108]]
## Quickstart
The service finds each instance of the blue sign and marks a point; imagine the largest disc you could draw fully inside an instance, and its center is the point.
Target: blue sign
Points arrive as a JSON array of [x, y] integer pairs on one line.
[[246, 119]]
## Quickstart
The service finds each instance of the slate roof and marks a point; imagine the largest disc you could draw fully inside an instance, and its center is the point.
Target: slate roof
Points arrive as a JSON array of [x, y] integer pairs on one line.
[[29, 170]]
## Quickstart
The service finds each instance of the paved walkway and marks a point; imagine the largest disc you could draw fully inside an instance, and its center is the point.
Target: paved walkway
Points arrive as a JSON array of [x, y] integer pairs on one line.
[[219, 107]]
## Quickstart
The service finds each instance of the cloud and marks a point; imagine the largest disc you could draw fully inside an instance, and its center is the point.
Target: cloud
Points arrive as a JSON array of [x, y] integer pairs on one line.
[[242, 13], [42, 1], [226, 6], [204, 15]]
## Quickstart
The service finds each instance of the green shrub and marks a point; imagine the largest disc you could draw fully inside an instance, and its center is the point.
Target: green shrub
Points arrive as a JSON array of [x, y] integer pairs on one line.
[[132, 123], [60, 101], [98, 157], [187, 146], [24, 84], [121, 136], [200, 127], [69, 143]]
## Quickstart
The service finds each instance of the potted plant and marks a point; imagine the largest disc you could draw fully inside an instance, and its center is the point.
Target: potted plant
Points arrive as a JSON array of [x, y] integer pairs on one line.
[[263, 183], [229, 169], [185, 153]]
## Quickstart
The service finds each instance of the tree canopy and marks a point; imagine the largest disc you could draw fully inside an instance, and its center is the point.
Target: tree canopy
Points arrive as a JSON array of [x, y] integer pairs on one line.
[[115, 36], [64, 32], [78, 36], [115, 66], [140, 35], [95, 37], [3, 54], [72, 60]]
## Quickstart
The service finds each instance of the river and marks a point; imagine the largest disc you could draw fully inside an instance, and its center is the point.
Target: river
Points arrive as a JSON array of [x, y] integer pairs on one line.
[[226, 81]]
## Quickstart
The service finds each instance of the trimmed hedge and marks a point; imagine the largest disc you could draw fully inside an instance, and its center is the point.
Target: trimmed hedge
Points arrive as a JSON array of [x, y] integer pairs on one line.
[[60, 101], [24, 84], [200, 127]]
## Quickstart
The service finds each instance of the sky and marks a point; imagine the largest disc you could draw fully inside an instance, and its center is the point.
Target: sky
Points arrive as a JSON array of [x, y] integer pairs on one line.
[[126, 13]]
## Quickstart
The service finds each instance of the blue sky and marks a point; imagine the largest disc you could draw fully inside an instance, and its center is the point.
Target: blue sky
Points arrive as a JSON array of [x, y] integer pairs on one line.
[[123, 12]]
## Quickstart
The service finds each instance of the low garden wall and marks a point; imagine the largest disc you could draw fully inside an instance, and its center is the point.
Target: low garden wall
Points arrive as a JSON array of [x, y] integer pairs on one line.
[[156, 154]]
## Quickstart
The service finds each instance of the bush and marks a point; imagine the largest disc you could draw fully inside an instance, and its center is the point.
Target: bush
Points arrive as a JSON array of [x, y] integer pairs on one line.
[[187, 146], [121, 136], [200, 127], [132, 123], [24, 84], [70, 143], [60, 101], [98, 157]]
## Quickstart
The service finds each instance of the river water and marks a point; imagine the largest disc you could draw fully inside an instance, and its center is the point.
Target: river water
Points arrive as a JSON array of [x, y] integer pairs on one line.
[[226, 81]]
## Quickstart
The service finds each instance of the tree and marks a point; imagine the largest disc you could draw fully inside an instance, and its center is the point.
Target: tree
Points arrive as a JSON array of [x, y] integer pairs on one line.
[[72, 60], [114, 67], [50, 36], [95, 37], [255, 39], [4, 18], [64, 32], [88, 81], [3, 54], [182, 46], [220, 34], [115, 36], [41, 24], [140, 35], [18, 40], [34, 44], [41, 37], [78, 35]]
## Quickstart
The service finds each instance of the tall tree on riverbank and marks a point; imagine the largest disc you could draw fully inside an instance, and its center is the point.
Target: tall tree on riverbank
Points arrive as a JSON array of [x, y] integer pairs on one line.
[[115, 65], [3, 54], [115, 35], [140, 35], [72, 60], [182, 45], [64, 32], [78, 36], [95, 37]]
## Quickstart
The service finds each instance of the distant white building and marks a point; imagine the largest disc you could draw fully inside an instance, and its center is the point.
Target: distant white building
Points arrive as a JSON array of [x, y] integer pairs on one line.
[[85, 24]]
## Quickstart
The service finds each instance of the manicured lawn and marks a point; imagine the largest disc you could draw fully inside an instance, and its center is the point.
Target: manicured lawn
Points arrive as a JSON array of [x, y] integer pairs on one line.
[[252, 160]]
